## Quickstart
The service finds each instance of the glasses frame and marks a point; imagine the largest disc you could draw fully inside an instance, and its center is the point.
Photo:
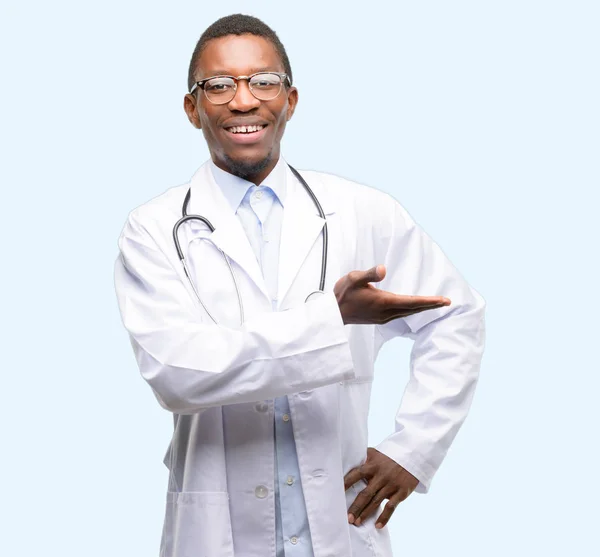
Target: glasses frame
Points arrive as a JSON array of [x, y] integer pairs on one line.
[[200, 84]]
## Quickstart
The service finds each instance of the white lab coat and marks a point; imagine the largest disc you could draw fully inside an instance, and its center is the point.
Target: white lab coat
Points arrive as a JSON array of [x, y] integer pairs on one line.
[[219, 381]]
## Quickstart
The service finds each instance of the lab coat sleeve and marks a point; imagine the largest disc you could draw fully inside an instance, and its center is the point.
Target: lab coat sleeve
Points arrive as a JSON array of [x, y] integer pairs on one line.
[[446, 353], [192, 365]]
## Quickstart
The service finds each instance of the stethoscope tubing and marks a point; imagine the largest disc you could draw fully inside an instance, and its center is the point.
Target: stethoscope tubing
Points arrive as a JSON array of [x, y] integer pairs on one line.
[[325, 234], [185, 217]]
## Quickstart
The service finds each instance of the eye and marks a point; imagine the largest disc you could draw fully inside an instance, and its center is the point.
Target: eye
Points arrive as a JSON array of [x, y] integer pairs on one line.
[[265, 81], [219, 85]]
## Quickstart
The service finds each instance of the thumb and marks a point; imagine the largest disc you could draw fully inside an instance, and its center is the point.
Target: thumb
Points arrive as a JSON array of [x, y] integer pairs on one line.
[[375, 274]]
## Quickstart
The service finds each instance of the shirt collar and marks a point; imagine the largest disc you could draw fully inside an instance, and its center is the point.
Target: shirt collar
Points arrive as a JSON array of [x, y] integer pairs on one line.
[[234, 188]]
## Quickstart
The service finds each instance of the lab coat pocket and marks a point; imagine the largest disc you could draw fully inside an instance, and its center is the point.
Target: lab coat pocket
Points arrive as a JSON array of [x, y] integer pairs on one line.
[[197, 524]]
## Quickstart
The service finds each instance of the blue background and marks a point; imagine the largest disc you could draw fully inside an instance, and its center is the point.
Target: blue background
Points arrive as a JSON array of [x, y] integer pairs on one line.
[[489, 136]]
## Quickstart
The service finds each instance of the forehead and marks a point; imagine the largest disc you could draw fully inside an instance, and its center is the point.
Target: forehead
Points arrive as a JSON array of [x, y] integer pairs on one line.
[[238, 55]]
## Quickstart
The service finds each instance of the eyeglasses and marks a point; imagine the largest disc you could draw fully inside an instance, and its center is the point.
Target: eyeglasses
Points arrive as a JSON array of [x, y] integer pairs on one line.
[[221, 89]]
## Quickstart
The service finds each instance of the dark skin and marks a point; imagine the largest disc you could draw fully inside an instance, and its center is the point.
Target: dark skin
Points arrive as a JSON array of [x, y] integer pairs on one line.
[[359, 301], [241, 55]]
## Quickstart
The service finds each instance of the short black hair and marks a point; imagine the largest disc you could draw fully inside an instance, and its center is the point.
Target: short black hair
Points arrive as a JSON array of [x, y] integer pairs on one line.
[[238, 24]]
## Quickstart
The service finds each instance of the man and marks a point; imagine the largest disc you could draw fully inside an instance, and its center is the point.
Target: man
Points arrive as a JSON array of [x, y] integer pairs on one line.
[[268, 381]]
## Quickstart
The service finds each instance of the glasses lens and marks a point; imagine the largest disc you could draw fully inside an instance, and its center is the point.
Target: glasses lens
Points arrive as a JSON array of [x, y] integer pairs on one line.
[[265, 86], [220, 90]]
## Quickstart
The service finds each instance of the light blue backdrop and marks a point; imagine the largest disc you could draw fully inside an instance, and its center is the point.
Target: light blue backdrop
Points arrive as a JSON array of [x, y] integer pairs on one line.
[[488, 135]]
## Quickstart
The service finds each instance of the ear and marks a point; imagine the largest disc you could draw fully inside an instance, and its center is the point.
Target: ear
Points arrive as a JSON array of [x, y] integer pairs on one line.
[[292, 102], [191, 109]]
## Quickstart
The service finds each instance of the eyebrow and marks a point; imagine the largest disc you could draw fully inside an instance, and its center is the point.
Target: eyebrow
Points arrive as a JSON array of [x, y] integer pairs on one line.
[[253, 71]]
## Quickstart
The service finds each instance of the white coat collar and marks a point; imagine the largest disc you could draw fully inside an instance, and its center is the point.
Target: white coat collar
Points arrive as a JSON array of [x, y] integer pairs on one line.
[[300, 228]]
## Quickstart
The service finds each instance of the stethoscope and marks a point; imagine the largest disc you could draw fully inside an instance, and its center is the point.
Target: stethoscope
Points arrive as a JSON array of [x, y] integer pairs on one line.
[[185, 217]]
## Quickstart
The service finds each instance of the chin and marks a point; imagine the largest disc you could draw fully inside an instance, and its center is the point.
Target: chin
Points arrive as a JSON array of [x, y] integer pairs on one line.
[[246, 167]]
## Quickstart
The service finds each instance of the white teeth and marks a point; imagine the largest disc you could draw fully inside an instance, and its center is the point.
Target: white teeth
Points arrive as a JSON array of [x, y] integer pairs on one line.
[[245, 129]]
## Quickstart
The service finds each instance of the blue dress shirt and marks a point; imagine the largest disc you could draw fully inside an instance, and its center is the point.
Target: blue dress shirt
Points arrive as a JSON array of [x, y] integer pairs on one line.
[[260, 211]]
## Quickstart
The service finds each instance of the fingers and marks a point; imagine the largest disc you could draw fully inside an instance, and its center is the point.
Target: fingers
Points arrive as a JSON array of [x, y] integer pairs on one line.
[[392, 310], [352, 477], [371, 507], [389, 508], [375, 274], [363, 499], [400, 301], [390, 315]]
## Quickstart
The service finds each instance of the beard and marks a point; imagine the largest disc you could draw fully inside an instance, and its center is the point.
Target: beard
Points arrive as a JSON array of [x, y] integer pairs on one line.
[[246, 169]]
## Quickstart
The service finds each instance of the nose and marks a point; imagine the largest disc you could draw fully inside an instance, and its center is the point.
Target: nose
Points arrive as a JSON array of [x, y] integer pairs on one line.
[[244, 100]]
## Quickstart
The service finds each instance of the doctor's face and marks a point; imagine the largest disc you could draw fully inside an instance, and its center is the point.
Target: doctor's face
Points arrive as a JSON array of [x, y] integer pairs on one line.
[[249, 154]]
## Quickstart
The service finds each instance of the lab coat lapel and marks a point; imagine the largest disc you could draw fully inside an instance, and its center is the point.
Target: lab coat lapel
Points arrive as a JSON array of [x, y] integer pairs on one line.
[[208, 200], [300, 229]]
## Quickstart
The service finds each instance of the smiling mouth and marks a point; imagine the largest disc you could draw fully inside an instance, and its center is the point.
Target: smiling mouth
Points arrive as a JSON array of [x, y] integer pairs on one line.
[[245, 130]]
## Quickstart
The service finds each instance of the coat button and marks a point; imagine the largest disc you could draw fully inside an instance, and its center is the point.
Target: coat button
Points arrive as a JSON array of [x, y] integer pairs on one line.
[[286, 418], [290, 480], [262, 407], [294, 540], [261, 491]]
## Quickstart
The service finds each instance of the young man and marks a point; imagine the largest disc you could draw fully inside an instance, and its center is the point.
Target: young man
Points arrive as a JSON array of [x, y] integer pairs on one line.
[[262, 343]]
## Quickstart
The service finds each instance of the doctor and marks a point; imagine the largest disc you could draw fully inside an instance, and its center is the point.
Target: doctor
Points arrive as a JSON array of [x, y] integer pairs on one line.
[[270, 396]]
